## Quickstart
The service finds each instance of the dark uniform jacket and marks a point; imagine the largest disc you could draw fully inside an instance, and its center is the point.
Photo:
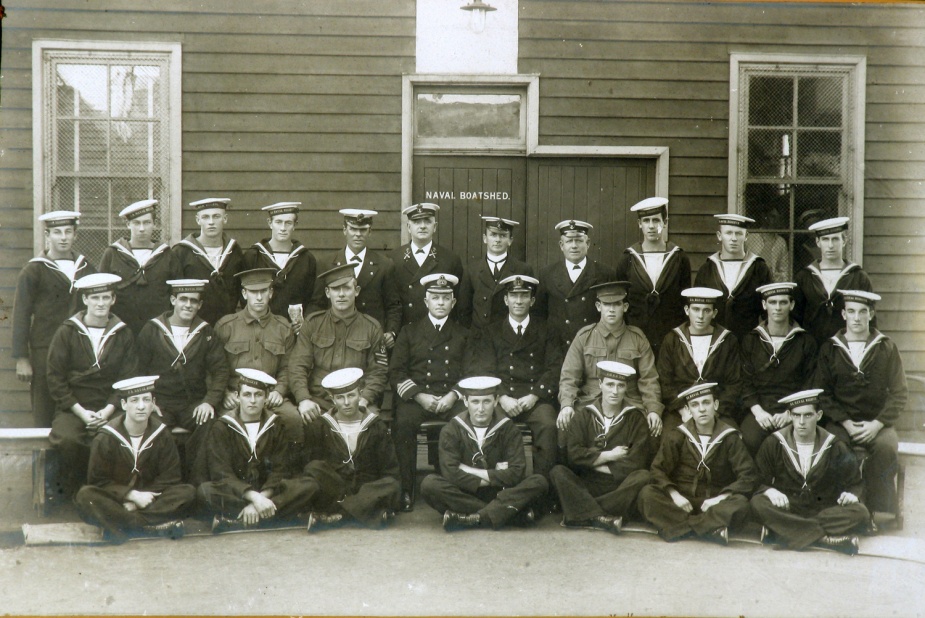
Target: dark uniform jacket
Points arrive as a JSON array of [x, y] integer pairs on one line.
[[293, 284], [817, 310], [699, 472], [77, 375], [481, 299], [568, 306], [232, 461], [874, 391], [197, 374], [116, 469], [143, 292], [45, 297], [528, 364], [655, 306], [379, 296], [833, 470], [501, 453], [586, 440], [258, 343], [327, 343], [677, 370], [740, 308], [768, 376], [222, 294], [425, 360], [408, 277], [373, 458]]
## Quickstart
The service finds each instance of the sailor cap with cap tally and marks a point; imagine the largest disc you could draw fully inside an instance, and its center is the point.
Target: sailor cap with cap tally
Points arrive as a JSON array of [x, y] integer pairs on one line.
[[439, 282], [478, 385], [612, 291], [342, 380], [282, 208], [573, 227], [138, 209], [358, 217], [60, 218], [135, 386], [734, 220], [338, 275], [860, 296], [255, 378], [211, 202], [180, 286], [97, 283], [829, 226], [420, 211], [651, 206], [697, 390], [500, 224], [704, 296], [803, 398], [257, 278], [614, 370], [785, 288], [520, 283]]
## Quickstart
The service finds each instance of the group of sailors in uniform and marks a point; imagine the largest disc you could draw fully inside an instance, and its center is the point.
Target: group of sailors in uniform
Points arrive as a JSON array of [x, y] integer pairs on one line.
[[246, 384]]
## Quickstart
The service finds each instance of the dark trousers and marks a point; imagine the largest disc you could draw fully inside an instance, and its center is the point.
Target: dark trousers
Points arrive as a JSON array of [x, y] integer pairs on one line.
[[497, 505], [673, 523], [878, 468], [594, 494], [71, 437], [542, 423], [800, 528], [98, 507], [292, 496], [43, 406], [365, 503], [408, 418]]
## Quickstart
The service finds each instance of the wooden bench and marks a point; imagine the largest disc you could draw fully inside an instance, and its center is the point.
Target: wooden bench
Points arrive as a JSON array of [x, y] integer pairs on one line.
[[34, 439]]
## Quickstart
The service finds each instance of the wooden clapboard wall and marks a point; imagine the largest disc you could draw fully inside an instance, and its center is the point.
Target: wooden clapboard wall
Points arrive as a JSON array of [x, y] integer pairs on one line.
[[656, 73]]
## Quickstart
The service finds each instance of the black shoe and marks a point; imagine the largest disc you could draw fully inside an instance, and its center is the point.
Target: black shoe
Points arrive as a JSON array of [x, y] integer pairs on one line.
[[767, 537], [387, 516], [318, 521], [844, 544], [609, 524], [225, 524], [457, 521], [407, 502], [526, 518], [170, 529], [720, 536]]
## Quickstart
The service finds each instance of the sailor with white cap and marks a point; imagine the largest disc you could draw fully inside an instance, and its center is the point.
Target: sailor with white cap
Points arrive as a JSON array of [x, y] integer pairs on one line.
[[421, 257], [378, 295], [565, 298], [818, 304], [296, 266], [865, 393], [45, 297], [134, 484], [809, 483], [657, 270], [89, 352], [702, 475], [482, 480], [213, 256], [737, 273], [481, 297], [144, 265]]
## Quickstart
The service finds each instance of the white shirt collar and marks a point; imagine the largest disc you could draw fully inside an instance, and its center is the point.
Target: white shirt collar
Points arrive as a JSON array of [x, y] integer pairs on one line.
[[581, 264], [501, 259], [348, 253], [514, 324], [426, 248], [441, 323]]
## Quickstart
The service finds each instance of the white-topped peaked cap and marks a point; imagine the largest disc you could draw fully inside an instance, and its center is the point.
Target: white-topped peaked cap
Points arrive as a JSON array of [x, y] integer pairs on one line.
[[211, 202], [138, 209], [135, 386], [256, 378], [829, 226], [60, 218], [420, 211], [439, 282], [499, 223], [97, 283], [179, 286], [342, 380], [698, 390], [358, 217], [776, 289], [520, 283], [860, 296], [705, 296], [615, 370], [479, 385], [807, 397], [573, 227], [650, 206]]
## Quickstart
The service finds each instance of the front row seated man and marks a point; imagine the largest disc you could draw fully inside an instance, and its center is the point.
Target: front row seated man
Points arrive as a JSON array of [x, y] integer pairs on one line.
[[607, 453], [251, 477], [809, 483], [134, 483], [482, 480], [350, 453], [702, 476]]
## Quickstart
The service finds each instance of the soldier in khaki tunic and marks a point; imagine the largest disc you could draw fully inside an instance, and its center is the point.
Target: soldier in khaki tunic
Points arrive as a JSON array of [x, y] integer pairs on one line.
[[334, 339]]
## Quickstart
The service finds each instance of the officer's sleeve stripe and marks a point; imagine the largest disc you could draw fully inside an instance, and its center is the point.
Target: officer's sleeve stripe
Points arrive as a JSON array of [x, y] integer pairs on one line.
[[405, 386]]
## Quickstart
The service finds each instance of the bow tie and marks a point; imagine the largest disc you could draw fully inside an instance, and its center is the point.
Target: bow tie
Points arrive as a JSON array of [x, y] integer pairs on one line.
[[576, 267], [356, 258]]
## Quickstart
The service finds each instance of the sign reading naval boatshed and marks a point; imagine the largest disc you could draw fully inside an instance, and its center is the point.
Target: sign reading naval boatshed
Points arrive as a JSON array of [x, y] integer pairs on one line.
[[467, 195]]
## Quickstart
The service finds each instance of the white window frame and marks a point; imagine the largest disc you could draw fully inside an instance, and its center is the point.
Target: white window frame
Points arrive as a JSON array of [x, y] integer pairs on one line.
[[171, 229], [856, 64]]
